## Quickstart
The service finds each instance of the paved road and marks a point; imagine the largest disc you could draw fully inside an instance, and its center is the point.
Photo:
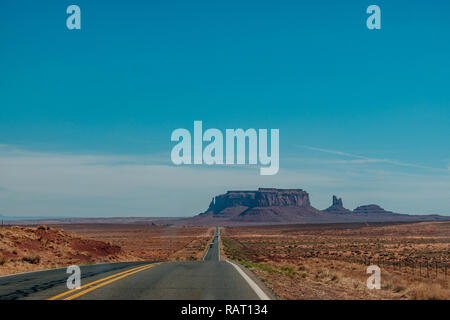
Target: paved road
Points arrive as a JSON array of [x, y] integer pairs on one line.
[[179, 280], [45, 284], [193, 280], [213, 253]]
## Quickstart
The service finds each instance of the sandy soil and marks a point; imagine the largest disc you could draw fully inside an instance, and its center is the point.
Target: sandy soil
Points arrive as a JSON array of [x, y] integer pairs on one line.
[[330, 261], [151, 243], [35, 248]]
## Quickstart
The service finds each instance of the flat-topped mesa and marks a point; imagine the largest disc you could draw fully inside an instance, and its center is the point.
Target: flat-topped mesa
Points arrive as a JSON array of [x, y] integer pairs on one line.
[[371, 209], [264, 197], [289, 206]]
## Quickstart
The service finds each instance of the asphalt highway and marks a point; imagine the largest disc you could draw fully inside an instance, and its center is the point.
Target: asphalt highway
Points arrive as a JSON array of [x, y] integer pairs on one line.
[[45, 284], [210, 279]]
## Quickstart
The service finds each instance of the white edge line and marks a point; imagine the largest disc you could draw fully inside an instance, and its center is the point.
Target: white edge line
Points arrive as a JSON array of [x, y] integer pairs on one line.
[[218, 242], [251, 283], [206, 253]]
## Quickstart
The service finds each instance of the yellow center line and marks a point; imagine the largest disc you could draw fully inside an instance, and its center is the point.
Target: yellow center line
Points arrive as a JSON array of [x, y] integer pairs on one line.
[[108, 282], [94, 282]]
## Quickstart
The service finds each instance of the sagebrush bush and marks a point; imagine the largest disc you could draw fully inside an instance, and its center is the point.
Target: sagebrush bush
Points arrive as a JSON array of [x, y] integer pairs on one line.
[[33, 259]]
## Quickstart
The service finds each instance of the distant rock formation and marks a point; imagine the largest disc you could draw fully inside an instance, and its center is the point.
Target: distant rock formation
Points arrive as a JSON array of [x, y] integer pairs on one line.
[[265, 205], [371, 209], [337, 202], [283, 206], [337, 206], [264, 197]]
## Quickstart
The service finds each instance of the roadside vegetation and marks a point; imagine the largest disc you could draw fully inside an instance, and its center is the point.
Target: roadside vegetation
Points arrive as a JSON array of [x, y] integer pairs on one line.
[[331, 263]]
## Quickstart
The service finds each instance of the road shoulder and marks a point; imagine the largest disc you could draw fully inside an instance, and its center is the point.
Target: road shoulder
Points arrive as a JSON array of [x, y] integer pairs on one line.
[[265, 293]]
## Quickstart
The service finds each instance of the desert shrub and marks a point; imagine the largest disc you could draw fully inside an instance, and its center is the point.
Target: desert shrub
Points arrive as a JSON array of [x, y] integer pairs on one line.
[[33, 259], [387, 285], [398, 289], [2, 261], [250, 265], [235, 250], [304, 275], [428, 292], [320, 274], [288, 271]]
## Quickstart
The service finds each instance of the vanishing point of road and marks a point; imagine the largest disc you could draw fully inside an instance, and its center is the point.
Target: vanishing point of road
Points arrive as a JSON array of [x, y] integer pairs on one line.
[[210, 279]]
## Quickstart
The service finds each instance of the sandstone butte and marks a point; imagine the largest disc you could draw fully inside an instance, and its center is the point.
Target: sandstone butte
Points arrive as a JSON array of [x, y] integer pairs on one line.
[[282, 206]]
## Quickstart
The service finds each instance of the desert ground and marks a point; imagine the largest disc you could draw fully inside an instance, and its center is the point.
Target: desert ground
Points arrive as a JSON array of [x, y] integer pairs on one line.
[[329, 261], [33, 248], [150, 242], [321, 261]]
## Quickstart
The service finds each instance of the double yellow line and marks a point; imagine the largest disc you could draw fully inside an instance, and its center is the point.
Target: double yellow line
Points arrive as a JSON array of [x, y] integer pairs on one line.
[[75, 293]]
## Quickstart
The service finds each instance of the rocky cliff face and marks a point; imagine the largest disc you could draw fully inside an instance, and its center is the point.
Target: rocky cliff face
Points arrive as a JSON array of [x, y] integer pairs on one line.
[[264, 197], [279, 206], [337, 206], [337, 202]]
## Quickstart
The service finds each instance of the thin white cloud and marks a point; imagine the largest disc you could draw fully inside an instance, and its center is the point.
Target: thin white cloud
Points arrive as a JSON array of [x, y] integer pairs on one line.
[[364, 159], [53, 184]]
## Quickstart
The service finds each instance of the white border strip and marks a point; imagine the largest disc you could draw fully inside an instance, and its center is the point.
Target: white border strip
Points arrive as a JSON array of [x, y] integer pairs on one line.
[[206, 253], [218, 243], [251, 283]]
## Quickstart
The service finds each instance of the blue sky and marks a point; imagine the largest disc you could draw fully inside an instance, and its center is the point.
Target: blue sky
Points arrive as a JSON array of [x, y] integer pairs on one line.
[[362, 114]]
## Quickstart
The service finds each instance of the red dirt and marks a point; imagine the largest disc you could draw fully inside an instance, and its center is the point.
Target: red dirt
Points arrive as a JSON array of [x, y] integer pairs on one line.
[[26, 249], [330, 261], [34, 248]]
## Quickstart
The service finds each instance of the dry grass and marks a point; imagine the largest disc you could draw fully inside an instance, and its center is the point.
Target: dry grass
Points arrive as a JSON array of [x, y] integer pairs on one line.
[[151, 243], [35, 248], [33, 259], [330, 262]]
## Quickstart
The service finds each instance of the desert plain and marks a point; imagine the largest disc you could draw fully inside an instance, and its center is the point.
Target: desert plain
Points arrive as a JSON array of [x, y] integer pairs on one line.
[[329, 261], [301, 261]]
